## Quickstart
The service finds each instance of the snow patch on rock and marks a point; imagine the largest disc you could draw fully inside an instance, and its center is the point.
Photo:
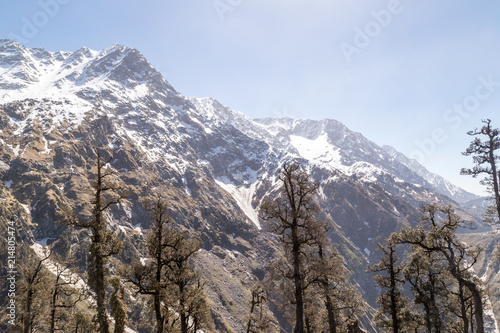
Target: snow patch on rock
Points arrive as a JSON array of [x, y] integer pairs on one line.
[[243, 196]]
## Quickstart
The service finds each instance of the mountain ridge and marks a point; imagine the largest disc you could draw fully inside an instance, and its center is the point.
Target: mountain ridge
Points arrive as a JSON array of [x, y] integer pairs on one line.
[[216, 163], [117, 61]]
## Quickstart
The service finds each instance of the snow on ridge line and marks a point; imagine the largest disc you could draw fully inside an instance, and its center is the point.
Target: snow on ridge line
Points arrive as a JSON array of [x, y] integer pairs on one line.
[[321, 150], [49, 75]]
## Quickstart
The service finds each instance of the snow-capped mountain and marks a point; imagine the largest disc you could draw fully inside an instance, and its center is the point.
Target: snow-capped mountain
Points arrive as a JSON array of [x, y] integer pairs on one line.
[[330, 144], [119, 78], [436, 182], [215, 164]]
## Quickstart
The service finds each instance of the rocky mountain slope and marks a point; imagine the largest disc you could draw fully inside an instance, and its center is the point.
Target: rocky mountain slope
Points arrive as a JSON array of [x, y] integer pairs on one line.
[[215, 165], [436, 182]]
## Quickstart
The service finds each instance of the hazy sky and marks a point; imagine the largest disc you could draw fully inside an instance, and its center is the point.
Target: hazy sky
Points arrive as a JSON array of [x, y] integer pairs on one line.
[[414, 74]]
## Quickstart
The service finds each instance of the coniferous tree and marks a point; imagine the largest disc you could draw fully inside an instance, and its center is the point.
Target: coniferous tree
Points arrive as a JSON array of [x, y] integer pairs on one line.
[[461, 307], [65, 294], [341, 299], [118, 310], [437, 236], [393, 311], [149, 278], [428, 279], [485, 157], [167, 275], [82, 322], [292, 217], [180, 251], [32, 289], [258, 319], [104, 243], [197, 308], [313, 306]]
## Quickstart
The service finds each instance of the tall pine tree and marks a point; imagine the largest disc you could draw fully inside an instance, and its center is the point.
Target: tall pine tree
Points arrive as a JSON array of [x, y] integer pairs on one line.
[[292, 217], [393, 312], [104, 243], [485, 157]]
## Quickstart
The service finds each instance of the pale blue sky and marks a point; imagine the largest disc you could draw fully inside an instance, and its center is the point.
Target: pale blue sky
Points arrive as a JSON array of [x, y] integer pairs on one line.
[[413, 60]]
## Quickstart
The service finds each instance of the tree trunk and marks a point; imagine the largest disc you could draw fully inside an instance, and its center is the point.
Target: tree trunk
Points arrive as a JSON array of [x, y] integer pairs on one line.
[[27, 313], [463, 307], [428, 321], [251, 311], [157, 300], [308, 325], [332, 324], [478, 306], [98, 283], [477, 299], [184, 324], [53, 309], [436, 319], [184, 318], [299, 306], [495, 177], [471, 322], [299, 302], [99, 260], [101, 299], [159, 317], [159, 265], [394, 306]]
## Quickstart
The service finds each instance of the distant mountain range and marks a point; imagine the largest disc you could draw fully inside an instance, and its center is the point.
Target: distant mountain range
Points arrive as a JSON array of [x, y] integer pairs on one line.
[[216, 163]]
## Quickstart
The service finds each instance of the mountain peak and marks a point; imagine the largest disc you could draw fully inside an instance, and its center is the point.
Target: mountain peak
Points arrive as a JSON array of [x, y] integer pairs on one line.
[[118, 47], [85, 51], [4, 42], [77, 82], [211, 109], [119, 78], [39, 73]]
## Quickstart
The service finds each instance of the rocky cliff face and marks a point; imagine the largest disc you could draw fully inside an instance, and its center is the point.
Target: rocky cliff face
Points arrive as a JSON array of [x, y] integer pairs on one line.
[[215, 165]]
